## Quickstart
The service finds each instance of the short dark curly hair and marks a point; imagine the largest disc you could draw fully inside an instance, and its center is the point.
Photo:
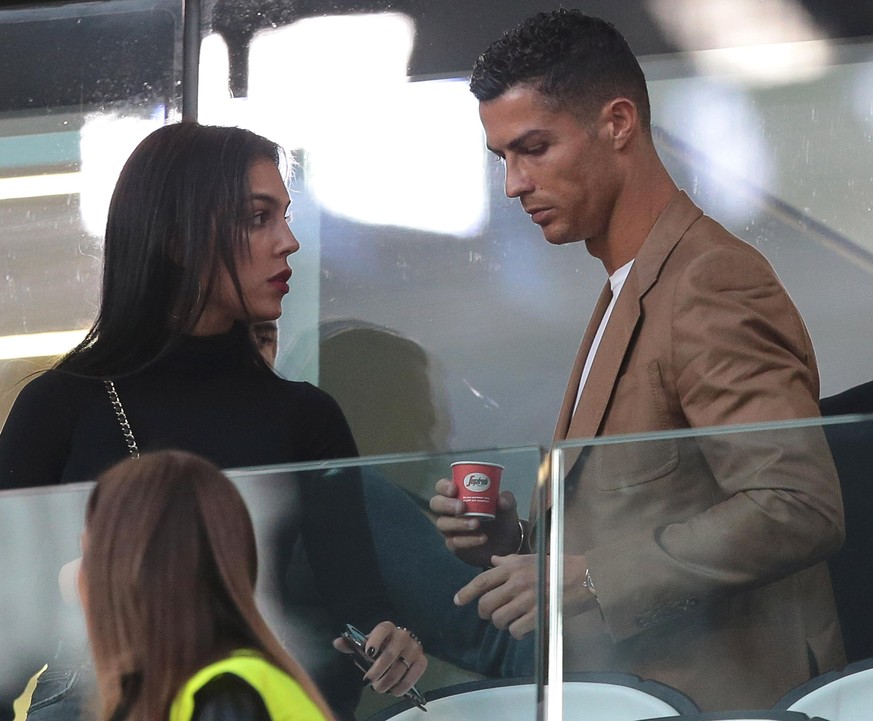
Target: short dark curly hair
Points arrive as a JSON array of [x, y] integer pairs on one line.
[[578, 62]]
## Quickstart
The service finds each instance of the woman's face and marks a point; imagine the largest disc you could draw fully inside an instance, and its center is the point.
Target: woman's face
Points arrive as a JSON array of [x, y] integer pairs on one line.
[[263, 272]]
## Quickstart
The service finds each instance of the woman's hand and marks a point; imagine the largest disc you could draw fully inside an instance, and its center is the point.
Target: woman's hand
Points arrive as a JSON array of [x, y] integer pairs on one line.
[[399, 659]]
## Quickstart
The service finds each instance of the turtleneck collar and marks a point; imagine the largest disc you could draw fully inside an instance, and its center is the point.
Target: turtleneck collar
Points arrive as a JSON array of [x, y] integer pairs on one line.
[[197, 353]]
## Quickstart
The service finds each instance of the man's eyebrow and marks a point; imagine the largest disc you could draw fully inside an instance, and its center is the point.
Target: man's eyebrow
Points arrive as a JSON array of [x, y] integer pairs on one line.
[[519, 141]]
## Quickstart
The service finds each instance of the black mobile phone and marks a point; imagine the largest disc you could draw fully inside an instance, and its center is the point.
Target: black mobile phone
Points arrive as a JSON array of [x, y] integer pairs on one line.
[[358, 642], [363, 661]]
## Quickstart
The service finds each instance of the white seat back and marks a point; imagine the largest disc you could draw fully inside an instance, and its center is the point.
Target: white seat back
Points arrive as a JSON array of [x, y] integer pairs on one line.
[[846, 698], [583, 701]]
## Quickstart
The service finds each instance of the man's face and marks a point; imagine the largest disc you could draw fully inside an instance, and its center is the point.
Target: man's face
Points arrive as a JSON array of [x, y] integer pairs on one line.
[[562, 171]]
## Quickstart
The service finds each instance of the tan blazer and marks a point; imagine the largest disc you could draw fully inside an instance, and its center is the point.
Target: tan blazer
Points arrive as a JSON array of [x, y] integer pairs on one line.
[[706, 554]]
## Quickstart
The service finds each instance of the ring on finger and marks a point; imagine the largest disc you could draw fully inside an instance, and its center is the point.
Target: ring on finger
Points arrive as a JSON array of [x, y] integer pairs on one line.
[[411, 634]]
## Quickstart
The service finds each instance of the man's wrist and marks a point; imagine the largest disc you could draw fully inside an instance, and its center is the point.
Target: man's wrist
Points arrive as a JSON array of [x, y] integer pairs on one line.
[[522, 543]]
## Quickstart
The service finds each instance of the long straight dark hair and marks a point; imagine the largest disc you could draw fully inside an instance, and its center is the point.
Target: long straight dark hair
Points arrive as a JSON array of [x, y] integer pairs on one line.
[[179, 212], [168, 572]]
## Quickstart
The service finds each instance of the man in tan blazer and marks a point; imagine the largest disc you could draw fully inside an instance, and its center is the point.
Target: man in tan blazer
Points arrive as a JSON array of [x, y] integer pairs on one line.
[[695, 561]]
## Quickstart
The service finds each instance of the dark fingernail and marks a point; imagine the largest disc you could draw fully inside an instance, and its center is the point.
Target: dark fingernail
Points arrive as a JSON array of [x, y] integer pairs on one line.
[[371, 651]]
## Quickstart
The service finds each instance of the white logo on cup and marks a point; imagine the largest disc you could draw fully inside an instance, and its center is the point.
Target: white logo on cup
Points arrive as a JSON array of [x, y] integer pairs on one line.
[[477, 482]]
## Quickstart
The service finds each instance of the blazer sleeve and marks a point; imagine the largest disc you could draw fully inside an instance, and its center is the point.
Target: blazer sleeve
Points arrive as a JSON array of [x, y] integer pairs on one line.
[[738, 353]]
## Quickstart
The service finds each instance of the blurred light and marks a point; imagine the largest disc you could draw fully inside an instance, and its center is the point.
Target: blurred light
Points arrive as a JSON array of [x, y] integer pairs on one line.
[[774, 64], [326, 70], [37, 345], [378, 148], [215, 105], [37, 186], [417, 163], [762, 42], [106, 143]]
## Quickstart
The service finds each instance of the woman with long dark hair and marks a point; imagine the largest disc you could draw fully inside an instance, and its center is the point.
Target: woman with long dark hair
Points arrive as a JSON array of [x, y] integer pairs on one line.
[[167, 582], [196, 250]]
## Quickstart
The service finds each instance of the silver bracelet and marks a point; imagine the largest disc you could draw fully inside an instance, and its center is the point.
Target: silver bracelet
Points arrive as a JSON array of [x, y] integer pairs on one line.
[[588, 584], [520, 540], [488, 567]]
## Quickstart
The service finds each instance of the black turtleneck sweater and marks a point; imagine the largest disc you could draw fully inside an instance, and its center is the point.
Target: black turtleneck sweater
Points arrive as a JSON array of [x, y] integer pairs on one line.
[[207, 397]]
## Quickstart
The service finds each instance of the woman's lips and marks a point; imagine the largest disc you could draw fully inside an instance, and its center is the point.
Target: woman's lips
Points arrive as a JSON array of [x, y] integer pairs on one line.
[[280, 280]]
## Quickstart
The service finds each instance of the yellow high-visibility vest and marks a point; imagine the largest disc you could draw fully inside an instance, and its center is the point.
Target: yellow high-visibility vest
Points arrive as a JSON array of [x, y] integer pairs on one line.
[[284, 698]]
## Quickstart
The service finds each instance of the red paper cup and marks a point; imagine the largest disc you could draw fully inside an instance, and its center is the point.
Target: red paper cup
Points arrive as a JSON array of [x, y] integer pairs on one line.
[[478, 485]]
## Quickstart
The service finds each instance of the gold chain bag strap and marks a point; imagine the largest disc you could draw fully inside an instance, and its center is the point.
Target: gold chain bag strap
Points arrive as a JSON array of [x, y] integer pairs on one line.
[[126, 430]]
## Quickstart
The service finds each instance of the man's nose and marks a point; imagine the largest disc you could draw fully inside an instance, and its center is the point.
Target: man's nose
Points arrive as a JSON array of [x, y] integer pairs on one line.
[[516, 181]]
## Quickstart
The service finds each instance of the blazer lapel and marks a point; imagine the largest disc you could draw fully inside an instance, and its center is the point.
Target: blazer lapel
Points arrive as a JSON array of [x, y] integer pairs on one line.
[[670, 226], [585, 423], [563, 424]]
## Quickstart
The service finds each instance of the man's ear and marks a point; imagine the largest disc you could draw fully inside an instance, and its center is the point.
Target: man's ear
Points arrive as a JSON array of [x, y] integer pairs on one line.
[[623, 119]]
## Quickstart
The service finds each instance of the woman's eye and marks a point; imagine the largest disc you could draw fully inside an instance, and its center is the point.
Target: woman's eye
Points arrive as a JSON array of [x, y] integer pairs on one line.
[[259, 218]]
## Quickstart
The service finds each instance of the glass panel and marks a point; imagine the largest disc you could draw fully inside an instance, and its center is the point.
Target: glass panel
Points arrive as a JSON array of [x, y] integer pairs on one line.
[[408, 240], [80, 85], [41, 619], [709, 552], [714, 559], [317, 526], [420, 575]]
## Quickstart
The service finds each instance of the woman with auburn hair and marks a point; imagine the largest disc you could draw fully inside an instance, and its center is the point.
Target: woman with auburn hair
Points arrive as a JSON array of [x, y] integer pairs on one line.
[[167, 583], [196, 251]]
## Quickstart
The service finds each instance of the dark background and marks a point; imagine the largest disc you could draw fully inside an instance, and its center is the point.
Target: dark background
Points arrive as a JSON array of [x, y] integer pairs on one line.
[[81, 54]]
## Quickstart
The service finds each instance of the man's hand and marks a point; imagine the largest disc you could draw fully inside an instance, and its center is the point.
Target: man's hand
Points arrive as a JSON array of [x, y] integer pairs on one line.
[[507, 593], [475, 540]]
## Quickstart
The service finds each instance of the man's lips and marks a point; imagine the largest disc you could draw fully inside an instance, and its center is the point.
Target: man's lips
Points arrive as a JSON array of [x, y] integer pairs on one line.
[[280, 280], [538, 215]]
